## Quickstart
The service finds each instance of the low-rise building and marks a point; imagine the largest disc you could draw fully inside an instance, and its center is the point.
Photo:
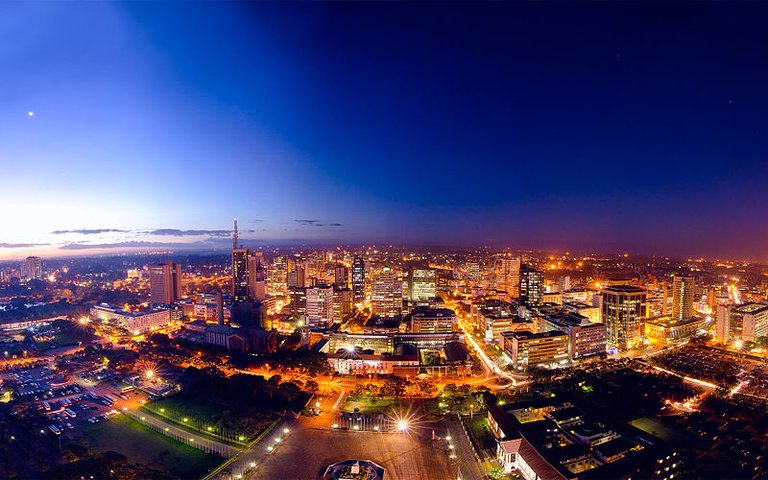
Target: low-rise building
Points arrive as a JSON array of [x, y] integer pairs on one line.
[[585, 339], [434, 320]]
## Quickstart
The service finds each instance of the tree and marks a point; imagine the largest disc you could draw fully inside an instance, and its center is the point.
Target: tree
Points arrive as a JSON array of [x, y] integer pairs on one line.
[[394, 386], [312, 386]]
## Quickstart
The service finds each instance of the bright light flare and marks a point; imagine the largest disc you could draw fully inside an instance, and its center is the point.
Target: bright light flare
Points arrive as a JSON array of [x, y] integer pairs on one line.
[[402, 425]]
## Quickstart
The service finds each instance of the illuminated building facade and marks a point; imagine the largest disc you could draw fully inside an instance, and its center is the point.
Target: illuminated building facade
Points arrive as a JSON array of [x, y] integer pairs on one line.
[[32, 268], [585, 338], [527, 348], [531, 286], [422, 284], [165, 283], [319, 309], [682, 298], [358, 280], [623, 312], [434, 320], [387, 294]]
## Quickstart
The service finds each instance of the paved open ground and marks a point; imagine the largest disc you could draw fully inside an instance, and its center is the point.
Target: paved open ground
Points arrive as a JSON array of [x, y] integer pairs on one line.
[[307, 451]]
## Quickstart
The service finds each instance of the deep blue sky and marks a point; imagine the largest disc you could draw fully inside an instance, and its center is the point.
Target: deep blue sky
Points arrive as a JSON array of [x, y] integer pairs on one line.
[[613, 126]]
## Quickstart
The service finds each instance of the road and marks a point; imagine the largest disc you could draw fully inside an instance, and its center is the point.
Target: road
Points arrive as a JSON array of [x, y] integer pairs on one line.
[[489, 366]]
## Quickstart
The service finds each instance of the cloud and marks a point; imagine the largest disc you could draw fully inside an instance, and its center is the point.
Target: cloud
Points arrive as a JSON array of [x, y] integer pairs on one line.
[[89, 246], [316, 223], [257, 220], [88, 231], [21, 245], [174, 232]]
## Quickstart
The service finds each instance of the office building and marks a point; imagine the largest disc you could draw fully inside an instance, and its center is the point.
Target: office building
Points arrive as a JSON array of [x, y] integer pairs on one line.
[[342, 304], [240, 290], [623, 312], [531, 286], [585, 338], [358, 280], [298, 305], [526, 349], [434, 320], [341, 276], [682, 298], [32, 269], [508, 275], [422, 284], [319, 306], [387, 294], [745, 322], [164, 283]]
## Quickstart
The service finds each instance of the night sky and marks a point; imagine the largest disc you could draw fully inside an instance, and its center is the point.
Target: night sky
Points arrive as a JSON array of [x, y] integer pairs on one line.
[[618, 127]]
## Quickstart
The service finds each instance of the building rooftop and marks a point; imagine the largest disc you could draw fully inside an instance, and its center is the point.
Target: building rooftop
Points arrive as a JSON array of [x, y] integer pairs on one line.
[[624, 289]]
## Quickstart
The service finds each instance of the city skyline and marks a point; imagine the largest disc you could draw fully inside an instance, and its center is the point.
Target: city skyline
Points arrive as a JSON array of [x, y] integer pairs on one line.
[[584, 127]]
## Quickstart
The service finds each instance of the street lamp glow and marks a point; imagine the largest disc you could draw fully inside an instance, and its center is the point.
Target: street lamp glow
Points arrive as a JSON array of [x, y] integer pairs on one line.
[[402, 425], [286, 430], [150, 373]]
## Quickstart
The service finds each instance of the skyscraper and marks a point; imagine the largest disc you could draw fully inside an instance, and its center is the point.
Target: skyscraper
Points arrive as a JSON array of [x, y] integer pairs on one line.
[[319, 307], [387, 294], [32, 269], [422, 284], [624, 313], [508, 271], [682, 298], [358, 280], [256, 278], [164, 283], [240, 291], [531, 286], [341, 276]]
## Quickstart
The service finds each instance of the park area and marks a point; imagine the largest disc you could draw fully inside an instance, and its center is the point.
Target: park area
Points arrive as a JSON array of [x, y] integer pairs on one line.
[[234, 426], [141, 445]]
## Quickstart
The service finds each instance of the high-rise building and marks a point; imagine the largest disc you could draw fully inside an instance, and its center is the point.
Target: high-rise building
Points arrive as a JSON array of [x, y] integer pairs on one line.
[[387, 294], [682, 298], [164, 283], [509, 270], [341, 276], [276, 276], [248, 275], [422, 284], [298, 305], [240, 289], [32, 269], [319, 302], [257, 279], [624, 310], [358, 280], [297, 276], [531, 286], [342, 304]]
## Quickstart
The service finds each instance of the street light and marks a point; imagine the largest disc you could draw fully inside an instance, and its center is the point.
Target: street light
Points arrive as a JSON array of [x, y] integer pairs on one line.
[[402, 425]]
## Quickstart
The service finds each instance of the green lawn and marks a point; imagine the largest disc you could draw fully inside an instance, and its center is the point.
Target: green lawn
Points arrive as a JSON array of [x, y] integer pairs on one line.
[[371, 405], [479, 432], [649, 425], [188, 407], [211, 419], [142, 445]]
